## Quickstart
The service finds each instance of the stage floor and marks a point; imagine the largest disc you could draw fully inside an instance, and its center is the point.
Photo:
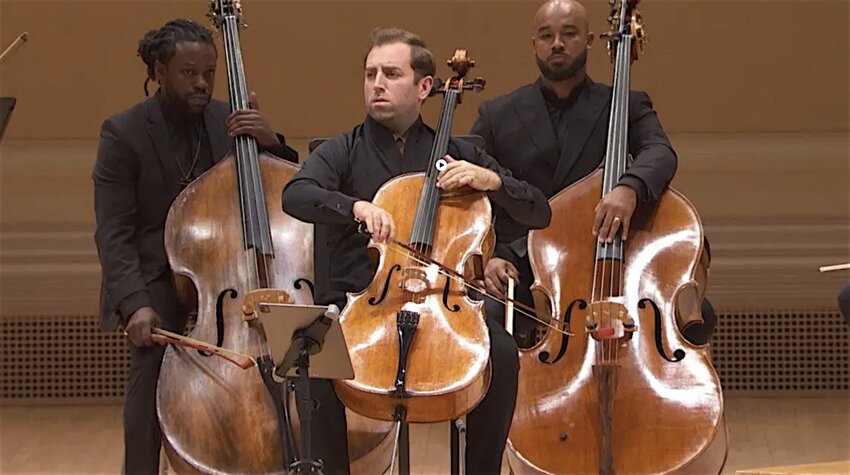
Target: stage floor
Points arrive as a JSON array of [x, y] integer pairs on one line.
[[88, 439]]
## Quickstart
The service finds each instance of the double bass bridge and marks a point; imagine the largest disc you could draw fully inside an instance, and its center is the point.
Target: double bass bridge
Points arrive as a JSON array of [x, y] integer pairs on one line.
[[608, 319]]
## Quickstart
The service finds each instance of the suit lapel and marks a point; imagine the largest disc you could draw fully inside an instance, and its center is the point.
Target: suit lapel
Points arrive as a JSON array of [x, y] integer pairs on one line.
[[585, 117], [158, 133], [532, 111], [216, 125]]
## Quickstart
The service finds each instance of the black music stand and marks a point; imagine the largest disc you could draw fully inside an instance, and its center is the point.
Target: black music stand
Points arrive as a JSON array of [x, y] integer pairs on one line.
[[295, 333], [7, 105]]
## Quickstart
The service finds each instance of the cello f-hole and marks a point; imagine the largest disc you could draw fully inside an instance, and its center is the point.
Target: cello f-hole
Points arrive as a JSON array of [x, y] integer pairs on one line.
[[451, 308], [386, 288]]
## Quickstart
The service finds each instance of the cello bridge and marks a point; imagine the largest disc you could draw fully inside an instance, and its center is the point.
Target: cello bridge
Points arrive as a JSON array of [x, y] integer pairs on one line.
[[414, 280]]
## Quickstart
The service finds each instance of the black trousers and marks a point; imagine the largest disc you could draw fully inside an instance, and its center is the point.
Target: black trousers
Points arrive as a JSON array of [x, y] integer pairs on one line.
[[142, 437], [486, 426]]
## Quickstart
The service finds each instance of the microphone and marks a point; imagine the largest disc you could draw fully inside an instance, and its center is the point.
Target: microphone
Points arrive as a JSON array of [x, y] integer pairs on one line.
[[332, 311]]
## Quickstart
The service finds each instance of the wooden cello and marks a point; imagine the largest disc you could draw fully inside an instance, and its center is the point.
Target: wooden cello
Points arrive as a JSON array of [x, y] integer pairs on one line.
[[626, 394], [419, 345]]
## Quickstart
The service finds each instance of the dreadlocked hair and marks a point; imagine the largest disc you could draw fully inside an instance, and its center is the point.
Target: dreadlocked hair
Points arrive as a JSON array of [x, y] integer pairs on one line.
[[159, 45]]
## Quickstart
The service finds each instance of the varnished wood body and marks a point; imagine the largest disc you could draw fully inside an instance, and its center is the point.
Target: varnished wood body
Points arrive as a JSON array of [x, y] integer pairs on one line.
[[665, 414], [215, 417], [689, 300], [713, 459], [448, 369]]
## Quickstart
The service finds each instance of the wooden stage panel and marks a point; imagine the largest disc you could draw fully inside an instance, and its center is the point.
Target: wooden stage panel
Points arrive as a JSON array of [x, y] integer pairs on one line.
[[775, 207], [88, 440], [825, 468]]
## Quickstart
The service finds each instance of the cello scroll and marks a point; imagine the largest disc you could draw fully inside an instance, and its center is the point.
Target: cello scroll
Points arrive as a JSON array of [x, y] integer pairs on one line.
[[460, 64]]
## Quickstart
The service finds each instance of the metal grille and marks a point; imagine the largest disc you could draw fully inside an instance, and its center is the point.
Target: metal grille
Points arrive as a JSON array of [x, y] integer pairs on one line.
[[778, 351], [60, 358], [68, 359]]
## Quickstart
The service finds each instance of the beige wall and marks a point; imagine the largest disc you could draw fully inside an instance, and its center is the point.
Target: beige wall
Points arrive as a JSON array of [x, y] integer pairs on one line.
[[775, 205], [710, 65]]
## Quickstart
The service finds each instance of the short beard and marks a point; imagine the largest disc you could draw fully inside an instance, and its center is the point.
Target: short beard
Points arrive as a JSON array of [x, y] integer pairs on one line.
[[177, 102], [563, 73]]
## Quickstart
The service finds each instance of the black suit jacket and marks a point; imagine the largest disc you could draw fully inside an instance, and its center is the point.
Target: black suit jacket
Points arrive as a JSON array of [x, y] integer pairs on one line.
[[519, 134], [136, 179]]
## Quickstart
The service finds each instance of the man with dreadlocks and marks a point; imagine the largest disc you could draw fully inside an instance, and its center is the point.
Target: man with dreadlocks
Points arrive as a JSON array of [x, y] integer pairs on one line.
[[146, 155]]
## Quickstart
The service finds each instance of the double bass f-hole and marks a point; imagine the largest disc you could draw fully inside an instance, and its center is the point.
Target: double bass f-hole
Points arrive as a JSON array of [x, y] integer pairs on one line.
[[219, 317], [543, 356]]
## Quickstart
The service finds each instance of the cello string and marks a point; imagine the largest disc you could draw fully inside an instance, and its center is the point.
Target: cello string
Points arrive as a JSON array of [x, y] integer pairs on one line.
[[518, 306], [432, 194]]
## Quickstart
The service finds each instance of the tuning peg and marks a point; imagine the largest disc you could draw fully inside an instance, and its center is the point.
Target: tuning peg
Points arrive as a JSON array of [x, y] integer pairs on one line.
[[436, 87], [476, 84]]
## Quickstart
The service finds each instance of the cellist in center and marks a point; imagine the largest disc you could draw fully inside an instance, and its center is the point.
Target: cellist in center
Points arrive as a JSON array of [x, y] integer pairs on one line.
[[336, 187]]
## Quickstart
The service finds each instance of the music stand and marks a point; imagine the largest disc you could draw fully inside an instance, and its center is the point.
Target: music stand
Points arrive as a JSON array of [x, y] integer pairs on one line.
[[7, 105], [305, 341]]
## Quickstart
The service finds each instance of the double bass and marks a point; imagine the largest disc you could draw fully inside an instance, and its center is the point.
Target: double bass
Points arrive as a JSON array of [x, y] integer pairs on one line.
[[227, 234], [623, 392], [418, 343]]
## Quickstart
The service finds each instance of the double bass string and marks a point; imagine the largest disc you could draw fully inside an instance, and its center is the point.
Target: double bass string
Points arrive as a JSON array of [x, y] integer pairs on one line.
[[233, 87], [612, 169], [624, 58], [246, 160], [251, 176]]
